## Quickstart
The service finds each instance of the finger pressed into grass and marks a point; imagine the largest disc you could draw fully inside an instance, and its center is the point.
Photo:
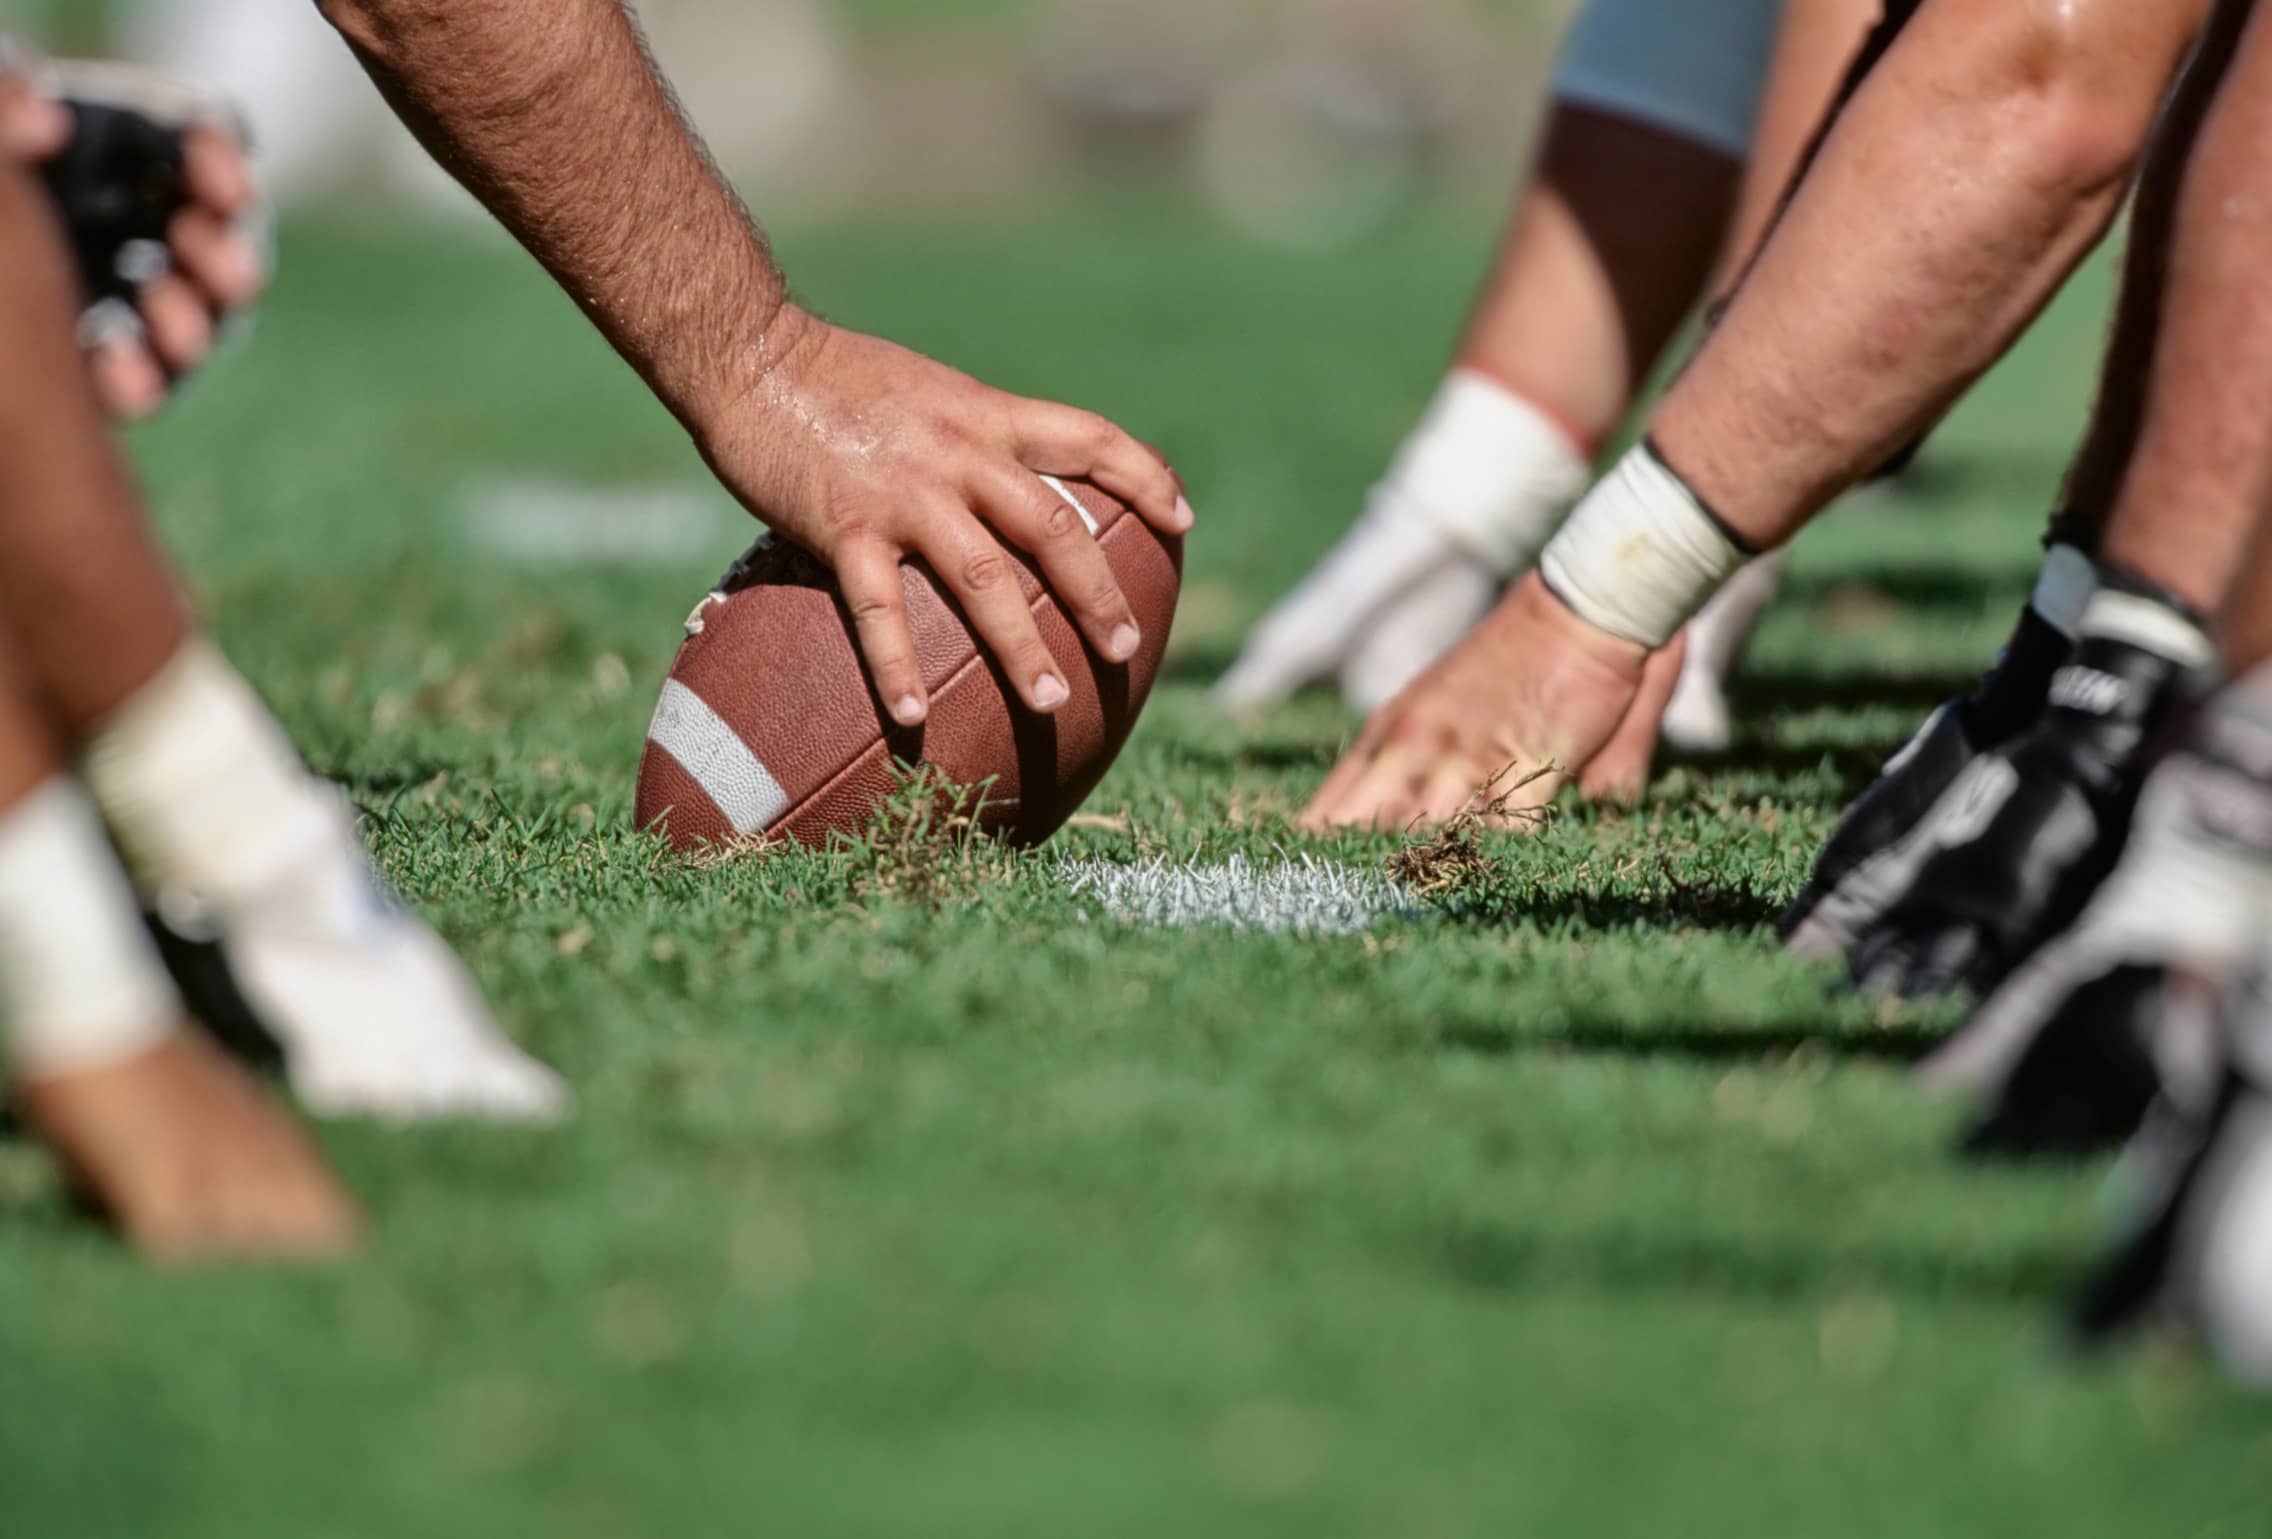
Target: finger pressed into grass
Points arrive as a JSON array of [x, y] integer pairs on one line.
[[1451, 788], [1522, 809], [1370, 774], [1391, 792], [1344, 775]]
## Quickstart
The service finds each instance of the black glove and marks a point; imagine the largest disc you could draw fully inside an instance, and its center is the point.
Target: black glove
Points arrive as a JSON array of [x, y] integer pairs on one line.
[[122, 183], [2025, 835], [118, 185]]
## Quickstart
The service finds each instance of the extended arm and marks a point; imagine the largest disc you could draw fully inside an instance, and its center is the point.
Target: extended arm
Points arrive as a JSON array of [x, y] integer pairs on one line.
[[551, 112]]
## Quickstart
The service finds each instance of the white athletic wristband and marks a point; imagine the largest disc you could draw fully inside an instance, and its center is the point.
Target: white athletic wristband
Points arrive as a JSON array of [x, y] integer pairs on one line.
[[2062, 588], [1640, 555], [2137, 621], [1490, 470], [81, 986]]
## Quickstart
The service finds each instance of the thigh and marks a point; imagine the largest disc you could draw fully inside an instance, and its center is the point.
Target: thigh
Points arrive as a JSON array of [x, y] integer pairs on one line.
[[1691, 68]]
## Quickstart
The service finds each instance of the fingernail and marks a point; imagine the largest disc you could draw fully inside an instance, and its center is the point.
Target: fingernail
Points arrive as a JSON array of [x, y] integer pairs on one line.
[[1049, 692], [1124, 643], [907, 711], [1184, 517]]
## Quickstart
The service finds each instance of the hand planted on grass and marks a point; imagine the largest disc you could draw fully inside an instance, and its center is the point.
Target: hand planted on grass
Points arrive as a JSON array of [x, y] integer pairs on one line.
[[1532, 686]]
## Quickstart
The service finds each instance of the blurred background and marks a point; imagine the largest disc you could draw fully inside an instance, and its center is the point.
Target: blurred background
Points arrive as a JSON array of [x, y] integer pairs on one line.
[[1295, 122], [1585, 1211]]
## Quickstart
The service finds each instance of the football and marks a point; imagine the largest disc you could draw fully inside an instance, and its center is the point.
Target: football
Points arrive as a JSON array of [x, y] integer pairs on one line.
[[769, 727]]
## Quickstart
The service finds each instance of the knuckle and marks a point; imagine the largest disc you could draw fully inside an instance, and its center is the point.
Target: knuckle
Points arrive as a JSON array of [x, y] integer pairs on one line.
[[848, 537], [1104, 597], [1095, 431], [845, 534], [1059, 521], [870, 604], [985, 570], [847, 512]]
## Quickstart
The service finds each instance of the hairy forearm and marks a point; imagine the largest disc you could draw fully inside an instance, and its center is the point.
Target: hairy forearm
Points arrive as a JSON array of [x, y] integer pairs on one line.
[[1970, 174], [551, 113]]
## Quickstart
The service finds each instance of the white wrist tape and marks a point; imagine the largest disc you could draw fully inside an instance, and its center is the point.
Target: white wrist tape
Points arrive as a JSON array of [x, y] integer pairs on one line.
[[1640, 555], [2137, 621], [198, 783], [1491, 471], [81, 986], [2062, 588]]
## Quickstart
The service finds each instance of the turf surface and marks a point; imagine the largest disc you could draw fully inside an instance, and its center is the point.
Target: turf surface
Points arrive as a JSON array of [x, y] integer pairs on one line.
[[1566, 1207]]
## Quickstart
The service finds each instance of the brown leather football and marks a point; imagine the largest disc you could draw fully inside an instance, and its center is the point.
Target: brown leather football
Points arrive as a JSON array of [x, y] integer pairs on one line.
[[769, 726]]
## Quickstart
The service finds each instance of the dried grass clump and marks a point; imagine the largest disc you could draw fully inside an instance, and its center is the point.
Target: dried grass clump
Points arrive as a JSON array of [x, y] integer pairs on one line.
[[1451, 860]]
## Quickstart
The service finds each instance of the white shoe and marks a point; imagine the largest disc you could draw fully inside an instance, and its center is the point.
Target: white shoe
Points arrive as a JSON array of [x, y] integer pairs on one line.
[[1406, 636], [2196, 1243], [1369, 607], [2232, 1239], [375, 1015], [1697, 718]]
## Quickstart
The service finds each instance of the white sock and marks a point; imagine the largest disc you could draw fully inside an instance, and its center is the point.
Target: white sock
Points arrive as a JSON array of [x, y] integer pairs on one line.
[[81, 986], [2234, 1282], [224, 826], [1490, 470], [202, 790]]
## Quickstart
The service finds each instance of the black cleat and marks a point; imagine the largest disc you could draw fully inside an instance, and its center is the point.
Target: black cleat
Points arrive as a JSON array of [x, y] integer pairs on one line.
[[2026, 835], [1874, 854]]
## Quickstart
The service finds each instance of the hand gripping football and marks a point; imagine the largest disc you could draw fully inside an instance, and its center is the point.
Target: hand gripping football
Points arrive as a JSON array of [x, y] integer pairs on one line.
[[768, 725]]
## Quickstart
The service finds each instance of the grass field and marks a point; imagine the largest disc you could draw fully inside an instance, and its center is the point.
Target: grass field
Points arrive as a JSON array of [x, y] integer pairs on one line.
[[1568, 1207]]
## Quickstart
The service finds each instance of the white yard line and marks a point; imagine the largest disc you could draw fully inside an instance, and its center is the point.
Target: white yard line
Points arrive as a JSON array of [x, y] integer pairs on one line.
[[1281, 897]]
